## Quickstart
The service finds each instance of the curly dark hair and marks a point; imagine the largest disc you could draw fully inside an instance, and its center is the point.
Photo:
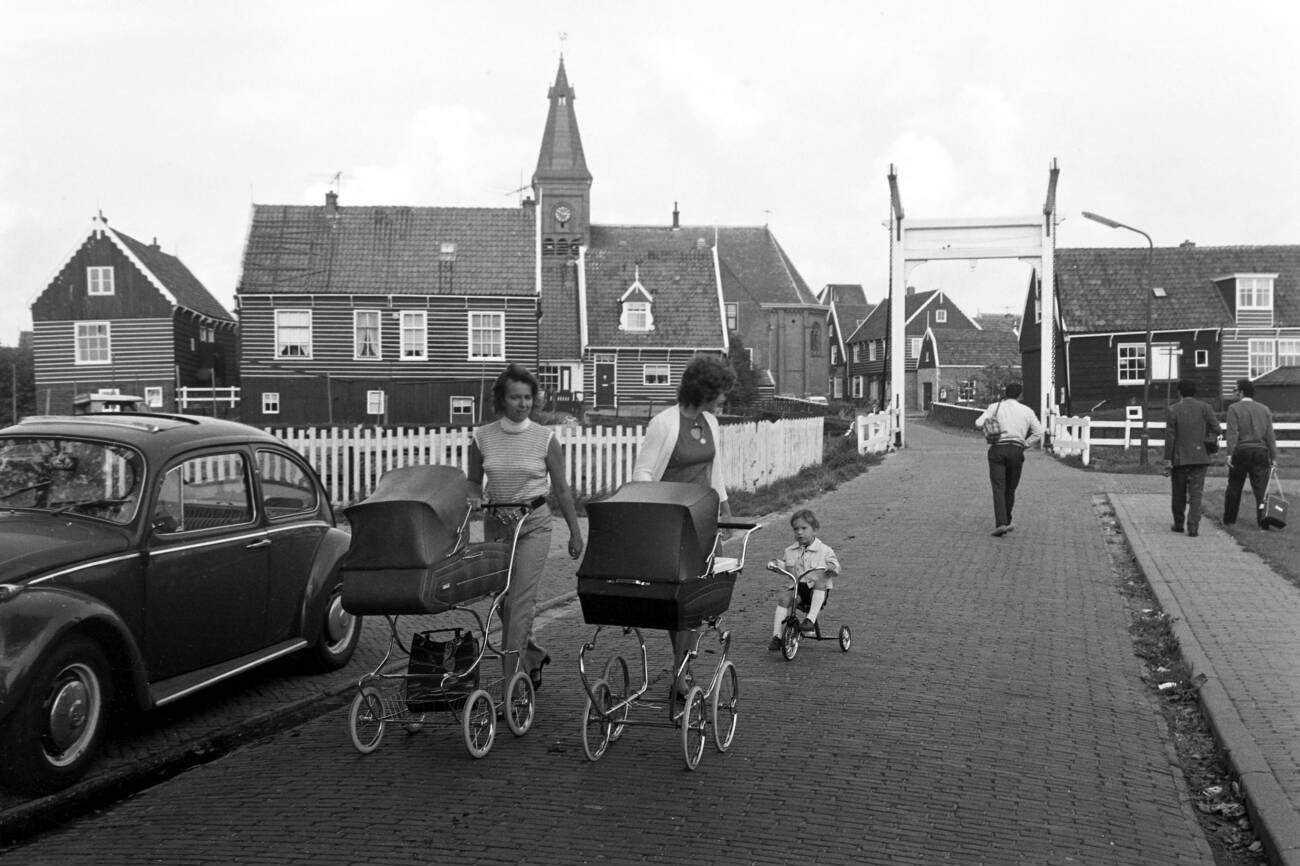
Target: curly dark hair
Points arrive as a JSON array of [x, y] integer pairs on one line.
[[512, 373], [704, 378]]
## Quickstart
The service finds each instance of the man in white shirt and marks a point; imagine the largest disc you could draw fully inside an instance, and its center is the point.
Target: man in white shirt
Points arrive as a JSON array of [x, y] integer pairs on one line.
[[1020, 429]]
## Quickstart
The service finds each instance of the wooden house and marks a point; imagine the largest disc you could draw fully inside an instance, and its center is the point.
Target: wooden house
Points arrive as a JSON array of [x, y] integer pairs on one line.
[[384, 315], [1217, 314], [868, 349], [847, 308], [953, 362], [122, 316]]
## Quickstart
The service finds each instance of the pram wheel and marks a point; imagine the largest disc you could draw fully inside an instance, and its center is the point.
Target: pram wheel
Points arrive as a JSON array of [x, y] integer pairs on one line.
[[366, 720], [619, 683], [789, 640], [596, 726], [519, 704], [722, 708], [479, 720], [846, 638], [693, 727]]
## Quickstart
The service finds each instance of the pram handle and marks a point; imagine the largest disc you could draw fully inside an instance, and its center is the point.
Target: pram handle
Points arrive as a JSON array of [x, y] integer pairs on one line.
[[749, 527]]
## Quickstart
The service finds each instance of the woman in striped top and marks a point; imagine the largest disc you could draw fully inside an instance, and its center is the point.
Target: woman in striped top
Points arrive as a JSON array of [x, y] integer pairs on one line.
[[522, 462]]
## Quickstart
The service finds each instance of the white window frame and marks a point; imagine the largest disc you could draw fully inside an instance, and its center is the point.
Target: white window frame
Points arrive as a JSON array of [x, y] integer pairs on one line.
[[1136, 369], [490, 328], [857, 387], [376, 403], [871, 351], [461, 406], [92, 349], [940, 317], [284, 347], [837, 387], [966, 391], [270, 402], [357, 344], [153, 396], [655, 375], [1254, 292], [637, 317], [413, 336], [1258, 354], [100, 280], [835, 355], [1288, 352], [1202, 358], [914, 347], [733, 316]]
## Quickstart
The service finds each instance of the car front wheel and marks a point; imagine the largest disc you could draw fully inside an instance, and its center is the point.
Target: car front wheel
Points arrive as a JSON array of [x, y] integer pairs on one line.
[[339, 635], [51, 737]]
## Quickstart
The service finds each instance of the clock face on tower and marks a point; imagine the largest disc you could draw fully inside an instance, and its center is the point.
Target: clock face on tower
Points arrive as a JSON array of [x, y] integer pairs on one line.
[[563, 214]]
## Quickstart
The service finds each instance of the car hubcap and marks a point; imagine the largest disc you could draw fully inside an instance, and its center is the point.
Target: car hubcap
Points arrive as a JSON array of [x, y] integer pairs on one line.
[[73, 704], [338, 624]]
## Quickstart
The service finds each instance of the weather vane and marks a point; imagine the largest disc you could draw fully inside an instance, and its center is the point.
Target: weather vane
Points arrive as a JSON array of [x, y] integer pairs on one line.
[[563, 36]]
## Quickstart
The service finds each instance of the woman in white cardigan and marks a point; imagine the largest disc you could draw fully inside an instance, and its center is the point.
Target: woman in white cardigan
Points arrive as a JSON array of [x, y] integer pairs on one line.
[[681, 445]]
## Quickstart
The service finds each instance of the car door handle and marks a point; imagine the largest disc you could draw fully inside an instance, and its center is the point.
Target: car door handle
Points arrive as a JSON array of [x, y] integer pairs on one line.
[[257, 545]]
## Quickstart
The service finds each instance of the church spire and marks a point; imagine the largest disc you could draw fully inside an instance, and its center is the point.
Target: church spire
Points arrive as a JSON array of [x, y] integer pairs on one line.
[[561, 157]]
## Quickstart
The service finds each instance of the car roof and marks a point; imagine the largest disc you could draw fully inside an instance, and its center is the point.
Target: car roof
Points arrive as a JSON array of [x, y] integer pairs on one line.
[[146, 431]]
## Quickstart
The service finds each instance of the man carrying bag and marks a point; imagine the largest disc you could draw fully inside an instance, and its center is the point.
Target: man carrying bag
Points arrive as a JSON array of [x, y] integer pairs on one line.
[[1017, 429]]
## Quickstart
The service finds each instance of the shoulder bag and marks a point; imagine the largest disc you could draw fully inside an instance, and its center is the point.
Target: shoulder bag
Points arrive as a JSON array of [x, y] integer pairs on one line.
[[993, 427]]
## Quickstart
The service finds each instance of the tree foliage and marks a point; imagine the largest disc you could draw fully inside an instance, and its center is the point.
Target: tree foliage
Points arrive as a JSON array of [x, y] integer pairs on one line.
[[745, 391], [17, 384]]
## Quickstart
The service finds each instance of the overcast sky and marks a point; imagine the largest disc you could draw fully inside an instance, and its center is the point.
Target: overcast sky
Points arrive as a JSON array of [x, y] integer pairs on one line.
[[174, 118]]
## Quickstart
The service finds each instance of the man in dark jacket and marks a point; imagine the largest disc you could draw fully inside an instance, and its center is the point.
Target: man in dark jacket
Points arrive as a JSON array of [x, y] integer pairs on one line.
[[1190, 425], [1252, 451]]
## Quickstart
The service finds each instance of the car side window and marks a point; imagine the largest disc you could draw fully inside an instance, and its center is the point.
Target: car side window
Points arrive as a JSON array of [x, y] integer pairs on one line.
[[204, 492], [287, 487]]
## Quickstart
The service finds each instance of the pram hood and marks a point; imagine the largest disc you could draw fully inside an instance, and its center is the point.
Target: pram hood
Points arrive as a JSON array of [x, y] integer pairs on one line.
[[657, 531], [412, 520]]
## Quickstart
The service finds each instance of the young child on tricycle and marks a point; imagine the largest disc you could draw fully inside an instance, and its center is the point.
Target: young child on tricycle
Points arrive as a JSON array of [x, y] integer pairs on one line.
[[812, 565]]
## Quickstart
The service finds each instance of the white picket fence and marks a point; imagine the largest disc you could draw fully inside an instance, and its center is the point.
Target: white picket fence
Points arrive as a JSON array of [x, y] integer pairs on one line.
[[876, 432], [350, 460], [1075, 434]]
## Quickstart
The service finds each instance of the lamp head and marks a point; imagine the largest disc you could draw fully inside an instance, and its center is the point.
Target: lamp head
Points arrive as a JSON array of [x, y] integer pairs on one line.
[[1106, 221]]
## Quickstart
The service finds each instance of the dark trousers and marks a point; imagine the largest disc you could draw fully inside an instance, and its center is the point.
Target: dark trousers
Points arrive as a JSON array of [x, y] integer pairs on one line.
[[1005, 463], [1252, 462], [1189, 484]]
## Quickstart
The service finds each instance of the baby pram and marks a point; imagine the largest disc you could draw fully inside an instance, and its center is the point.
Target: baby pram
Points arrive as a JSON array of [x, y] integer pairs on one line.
[[411, 555], [653, 562]]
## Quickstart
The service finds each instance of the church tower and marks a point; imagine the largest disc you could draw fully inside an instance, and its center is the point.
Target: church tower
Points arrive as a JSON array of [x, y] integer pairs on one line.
[[561, 183]]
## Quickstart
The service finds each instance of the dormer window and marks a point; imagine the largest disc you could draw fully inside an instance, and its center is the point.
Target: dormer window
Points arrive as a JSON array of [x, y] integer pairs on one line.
[[1255, 291], [637, 314], [940, 316], [99, 280]]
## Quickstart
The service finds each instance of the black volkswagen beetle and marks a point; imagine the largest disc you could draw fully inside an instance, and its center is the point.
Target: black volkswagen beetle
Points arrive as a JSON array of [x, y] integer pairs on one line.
[[145, 557]]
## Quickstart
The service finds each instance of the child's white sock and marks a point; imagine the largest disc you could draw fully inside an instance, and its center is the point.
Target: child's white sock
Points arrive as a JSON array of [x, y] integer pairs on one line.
[[781, 614], [815, 607]]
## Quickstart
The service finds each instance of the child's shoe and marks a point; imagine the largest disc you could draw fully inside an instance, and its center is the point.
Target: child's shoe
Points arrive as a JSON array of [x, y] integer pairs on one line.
[[774, 643], [807, 626]]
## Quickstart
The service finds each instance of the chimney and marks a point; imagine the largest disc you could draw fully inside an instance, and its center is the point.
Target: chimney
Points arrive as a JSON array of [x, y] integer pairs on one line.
[[154, 245], [911, 290], [676, 217], [331, 203]]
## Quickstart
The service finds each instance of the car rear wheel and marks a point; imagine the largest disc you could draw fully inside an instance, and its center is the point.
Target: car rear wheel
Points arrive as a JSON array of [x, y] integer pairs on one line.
[[339, 634], [50, 739]]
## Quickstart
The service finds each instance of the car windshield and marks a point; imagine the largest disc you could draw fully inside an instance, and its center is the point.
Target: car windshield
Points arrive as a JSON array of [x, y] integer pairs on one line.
[[71, 476]]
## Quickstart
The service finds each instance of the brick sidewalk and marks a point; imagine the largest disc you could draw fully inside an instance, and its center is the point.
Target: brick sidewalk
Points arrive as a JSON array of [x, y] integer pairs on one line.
[[991, 711]]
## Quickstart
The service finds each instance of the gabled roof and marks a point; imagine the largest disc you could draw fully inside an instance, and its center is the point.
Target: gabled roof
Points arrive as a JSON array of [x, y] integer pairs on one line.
[[184, 288], [849, 293], [561, 155], [382, 250], [876, 325], [754, 266], [1098, 288], [967, 347], [676, 271]]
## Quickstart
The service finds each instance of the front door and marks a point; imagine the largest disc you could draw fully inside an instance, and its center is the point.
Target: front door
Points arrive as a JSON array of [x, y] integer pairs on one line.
[[604, 385], [927, 395]]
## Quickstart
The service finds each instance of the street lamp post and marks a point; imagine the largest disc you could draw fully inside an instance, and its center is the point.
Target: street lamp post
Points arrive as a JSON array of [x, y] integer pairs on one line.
[[1146, 361]]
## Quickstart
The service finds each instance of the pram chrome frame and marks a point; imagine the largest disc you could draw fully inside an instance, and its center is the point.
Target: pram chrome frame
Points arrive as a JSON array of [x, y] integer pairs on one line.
[[382, 693], [610, 700]]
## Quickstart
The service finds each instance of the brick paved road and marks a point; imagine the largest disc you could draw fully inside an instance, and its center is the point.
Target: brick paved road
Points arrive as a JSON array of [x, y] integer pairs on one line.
[[990, 711]]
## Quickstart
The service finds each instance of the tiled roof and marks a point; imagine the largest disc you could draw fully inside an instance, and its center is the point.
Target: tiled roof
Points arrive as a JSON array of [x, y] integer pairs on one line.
[[1280, 376], [389, 250], [677, 273], [967, 347], [754, 267], [848, 293], [172, 273], [877, 324], [998, 321], [1099, 288]]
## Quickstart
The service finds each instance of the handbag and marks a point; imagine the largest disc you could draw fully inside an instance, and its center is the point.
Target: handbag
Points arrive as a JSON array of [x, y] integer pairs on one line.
[[1274, 515], [1211, 446], [992, 427], [430, 660]]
